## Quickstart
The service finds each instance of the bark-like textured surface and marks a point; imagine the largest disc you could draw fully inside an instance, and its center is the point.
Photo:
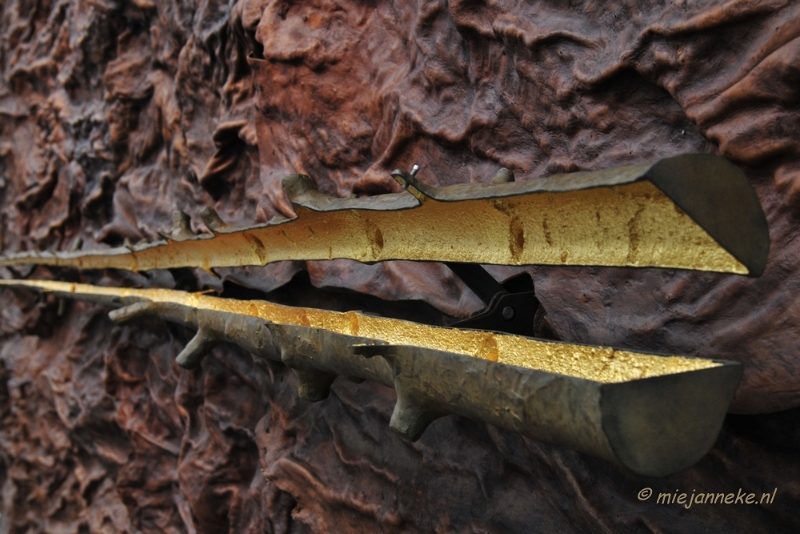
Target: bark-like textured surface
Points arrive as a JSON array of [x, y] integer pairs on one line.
[[115, 113]]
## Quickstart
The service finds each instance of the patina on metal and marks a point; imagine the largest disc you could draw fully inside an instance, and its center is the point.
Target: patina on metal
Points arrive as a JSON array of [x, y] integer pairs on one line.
[[652, 414], [695, 211]]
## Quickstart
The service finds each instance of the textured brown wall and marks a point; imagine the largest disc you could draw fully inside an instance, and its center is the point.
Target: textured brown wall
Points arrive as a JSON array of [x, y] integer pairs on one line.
[[115, 113]]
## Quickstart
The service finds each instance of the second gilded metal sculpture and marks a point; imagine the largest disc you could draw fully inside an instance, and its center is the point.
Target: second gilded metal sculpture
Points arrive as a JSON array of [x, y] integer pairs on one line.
[[695, 211], [653, 414]]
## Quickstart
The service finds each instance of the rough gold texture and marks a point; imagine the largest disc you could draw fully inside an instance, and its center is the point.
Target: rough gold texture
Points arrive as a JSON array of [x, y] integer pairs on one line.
[[601, 364]]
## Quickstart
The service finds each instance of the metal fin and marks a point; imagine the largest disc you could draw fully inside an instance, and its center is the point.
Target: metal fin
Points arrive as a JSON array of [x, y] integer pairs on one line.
[[503, 176], [411, 416], [133, 311], [313, 386], [197, 349], [213, 221], [181, 226]]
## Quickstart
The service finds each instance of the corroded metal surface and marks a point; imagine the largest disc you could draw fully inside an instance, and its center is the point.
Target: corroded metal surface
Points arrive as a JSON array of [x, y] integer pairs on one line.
[[690, 212], [653, 414]]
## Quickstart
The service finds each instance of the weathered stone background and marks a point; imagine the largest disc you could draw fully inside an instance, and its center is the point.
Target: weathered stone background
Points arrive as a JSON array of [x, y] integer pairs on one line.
[[115, 113]]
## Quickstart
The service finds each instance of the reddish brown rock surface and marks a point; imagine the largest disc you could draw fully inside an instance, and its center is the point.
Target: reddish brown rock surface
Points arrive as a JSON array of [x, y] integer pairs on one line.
[[113, 114]]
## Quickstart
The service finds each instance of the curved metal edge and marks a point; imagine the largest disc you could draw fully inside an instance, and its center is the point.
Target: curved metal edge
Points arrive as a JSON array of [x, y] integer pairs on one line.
[[695, 403], [716, 194]]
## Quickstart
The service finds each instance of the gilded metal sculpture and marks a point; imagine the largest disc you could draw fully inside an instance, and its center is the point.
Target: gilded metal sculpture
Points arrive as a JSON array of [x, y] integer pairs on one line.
[[652, 414], [694, 211]]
